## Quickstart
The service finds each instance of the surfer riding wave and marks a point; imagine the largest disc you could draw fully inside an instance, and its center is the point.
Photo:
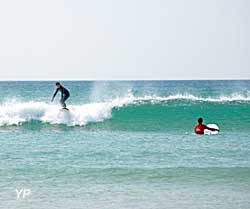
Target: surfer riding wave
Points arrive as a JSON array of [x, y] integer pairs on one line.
[[64, 94]]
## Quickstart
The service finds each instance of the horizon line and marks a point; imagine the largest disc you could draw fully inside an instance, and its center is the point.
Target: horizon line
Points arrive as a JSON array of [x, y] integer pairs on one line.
[[201, 79]]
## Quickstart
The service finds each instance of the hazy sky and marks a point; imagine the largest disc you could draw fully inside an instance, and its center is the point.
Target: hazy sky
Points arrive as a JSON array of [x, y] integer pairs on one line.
[[124, 39]]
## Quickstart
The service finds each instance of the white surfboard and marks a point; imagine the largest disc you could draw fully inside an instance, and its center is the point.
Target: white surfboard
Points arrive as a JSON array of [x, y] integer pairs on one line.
[[64, 110], [208, 132]]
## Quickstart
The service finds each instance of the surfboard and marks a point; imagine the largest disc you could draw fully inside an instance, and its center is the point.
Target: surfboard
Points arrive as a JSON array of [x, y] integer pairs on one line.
[[208, 132], [64, 110]]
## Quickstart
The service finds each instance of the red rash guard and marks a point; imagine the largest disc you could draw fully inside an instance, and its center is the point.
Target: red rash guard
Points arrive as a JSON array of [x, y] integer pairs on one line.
[[199, 128]]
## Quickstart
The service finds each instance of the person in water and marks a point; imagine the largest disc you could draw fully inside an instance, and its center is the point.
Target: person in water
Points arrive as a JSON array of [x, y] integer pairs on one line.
[[200, 127], [64, 94]]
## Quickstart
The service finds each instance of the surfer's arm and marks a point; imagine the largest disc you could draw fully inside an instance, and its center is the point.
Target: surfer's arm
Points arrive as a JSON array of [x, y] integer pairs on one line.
[[54, 95], [212, 129]]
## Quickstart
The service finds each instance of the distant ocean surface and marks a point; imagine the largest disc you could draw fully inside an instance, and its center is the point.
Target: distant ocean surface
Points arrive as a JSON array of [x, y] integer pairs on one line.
[[125, 144]]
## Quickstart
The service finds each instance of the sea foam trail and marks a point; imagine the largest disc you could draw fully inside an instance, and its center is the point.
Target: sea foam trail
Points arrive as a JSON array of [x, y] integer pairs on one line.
[[16, 113]]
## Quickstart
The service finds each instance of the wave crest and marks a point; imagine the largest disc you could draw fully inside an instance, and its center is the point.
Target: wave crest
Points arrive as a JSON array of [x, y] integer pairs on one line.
[[231, 98]]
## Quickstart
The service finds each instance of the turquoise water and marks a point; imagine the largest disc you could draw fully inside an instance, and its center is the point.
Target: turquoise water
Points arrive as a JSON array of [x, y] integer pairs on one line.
[[125, 144]]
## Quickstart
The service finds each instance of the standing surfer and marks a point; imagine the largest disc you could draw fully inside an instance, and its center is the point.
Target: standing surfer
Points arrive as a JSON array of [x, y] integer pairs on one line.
[[64, 94]]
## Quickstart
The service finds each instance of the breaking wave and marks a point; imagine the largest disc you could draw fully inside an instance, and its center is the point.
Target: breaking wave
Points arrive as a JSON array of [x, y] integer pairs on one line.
[[17, 113]]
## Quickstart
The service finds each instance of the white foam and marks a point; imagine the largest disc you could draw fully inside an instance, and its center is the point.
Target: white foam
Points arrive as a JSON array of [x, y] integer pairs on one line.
[[231, 98], [16, 113]]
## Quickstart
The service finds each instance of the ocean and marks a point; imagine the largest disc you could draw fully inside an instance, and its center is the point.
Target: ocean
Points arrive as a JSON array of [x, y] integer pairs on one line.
[[124, 145]]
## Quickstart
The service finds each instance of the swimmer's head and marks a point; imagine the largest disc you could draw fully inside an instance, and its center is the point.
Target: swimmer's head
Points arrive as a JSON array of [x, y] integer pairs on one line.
[[200, 120]]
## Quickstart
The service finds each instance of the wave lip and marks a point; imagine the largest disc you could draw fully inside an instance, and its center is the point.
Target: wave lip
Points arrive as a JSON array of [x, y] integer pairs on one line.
[[231, 98]]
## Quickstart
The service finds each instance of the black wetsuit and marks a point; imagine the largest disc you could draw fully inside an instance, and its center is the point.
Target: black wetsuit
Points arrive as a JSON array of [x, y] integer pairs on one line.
[[64, 95]]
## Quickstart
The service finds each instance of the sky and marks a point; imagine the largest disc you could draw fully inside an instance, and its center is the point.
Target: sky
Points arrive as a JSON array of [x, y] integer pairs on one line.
[[124, 39]]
